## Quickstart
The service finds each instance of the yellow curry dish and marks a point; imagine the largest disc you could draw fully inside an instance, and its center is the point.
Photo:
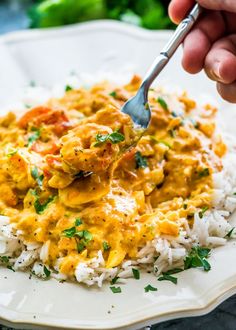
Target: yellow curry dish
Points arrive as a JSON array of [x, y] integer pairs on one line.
[[81, 200]]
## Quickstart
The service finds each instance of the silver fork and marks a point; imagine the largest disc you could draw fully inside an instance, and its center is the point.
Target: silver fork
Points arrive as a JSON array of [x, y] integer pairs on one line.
[[137, 107]]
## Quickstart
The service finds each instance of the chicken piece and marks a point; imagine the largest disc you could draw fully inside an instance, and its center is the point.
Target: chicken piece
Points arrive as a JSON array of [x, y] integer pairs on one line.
[[85, 190], [81, 152], [18, 167]]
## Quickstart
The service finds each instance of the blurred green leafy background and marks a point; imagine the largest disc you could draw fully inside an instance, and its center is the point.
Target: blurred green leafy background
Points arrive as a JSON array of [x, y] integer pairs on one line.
[[151, 14]]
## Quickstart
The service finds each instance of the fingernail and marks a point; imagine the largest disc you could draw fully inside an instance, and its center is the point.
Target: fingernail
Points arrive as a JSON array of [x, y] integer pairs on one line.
[[216, 71]]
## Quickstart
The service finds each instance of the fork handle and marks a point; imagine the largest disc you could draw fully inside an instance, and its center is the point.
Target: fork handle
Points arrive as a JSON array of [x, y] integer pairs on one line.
[[168, 51]]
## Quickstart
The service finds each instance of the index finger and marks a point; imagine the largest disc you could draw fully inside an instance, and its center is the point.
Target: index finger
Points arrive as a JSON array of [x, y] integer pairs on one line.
[[178, 9]]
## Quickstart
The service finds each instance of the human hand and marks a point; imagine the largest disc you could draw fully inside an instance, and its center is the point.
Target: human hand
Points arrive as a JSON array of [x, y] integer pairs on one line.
[[211, 45]]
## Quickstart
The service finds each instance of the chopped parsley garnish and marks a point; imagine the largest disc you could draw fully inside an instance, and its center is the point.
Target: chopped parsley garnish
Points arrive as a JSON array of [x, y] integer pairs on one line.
[[11, 268], [115, 289], [106, 246], [40, 207], [201, 213], [81, 246], [84, 235], [70, 232], [203, 173], [46, 271], [5, 260], [114, 138], [136, 273], [12, 152], [68, 88], [166, 277], [153, 138], [149, 288], [113, 94], [173, 271], [37, 177], [114, 280], [197, 258], [230, 233], [141, 162], [78, 221], [185, 206], [163, 103], [33, 137]]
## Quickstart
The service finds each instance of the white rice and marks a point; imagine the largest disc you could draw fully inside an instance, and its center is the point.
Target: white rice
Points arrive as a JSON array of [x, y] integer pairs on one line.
[[208, 231]]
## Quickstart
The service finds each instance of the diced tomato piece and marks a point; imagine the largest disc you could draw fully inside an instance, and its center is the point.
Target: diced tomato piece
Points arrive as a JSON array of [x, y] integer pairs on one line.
[[32, 115], [45, 115]]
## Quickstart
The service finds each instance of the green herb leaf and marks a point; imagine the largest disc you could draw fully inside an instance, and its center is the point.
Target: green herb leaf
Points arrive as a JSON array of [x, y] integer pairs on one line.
[[81, 246], [87, 235], [229, 234], [173, 271], [185, 206], [68, 88], [46, 271], [163, 103], [12, 152], [149, 288], [153, 138], [206, 265], [4, 259], [136, 273], [106, 246], [11, 268], [170, 278], [114, 138], [70, 232], [205, 172], [201, 213], [197, 258], [141, 162], [113, 94], [78, 222], [40, 207], [114, 280], [37, 177], [115, 289], [33, 137]]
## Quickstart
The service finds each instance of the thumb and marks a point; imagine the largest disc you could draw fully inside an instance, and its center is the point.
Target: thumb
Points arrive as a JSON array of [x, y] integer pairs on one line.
[[226, 5]]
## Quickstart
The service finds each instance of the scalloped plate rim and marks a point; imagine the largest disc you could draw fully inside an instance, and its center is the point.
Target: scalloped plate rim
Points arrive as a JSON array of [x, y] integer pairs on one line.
[[210, 304]]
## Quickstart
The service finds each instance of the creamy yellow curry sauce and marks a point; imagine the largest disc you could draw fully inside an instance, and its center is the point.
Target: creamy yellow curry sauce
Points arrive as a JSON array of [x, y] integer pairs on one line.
[[68, 180]]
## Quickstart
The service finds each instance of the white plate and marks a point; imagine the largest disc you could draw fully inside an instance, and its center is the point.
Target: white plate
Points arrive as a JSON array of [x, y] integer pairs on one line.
[[48, 57]]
